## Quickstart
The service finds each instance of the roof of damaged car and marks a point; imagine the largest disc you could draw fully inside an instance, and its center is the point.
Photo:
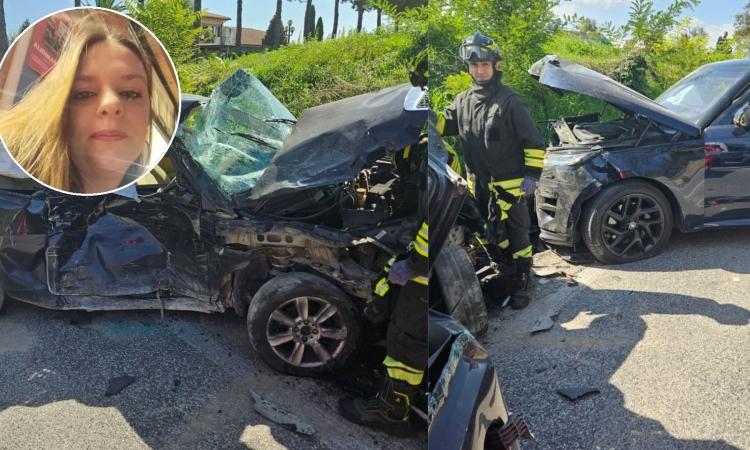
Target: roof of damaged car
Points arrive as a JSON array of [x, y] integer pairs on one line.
[[563, 75], [331, 143]]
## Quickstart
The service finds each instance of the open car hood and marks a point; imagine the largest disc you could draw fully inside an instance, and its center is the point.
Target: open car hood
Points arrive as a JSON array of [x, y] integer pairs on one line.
[[562, 75], [332, 143]]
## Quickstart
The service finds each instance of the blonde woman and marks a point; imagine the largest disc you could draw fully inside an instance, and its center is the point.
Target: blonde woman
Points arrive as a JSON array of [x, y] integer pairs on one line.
[[86, 126]]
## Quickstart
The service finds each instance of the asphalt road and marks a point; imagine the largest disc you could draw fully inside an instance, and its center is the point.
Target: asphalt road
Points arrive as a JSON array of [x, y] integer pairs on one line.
[[194, 374], [665, 341]]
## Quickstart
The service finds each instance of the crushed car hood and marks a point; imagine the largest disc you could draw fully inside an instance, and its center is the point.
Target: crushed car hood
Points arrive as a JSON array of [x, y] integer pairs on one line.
[[331, 143], [562, 75]]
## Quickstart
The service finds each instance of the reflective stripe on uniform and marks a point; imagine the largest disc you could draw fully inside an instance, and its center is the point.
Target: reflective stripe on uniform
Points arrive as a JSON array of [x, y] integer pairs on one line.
[[503, 215], [533, 153], [389, 264], [523, 253], [504, 244], [505, 206], [533, 162], [421, 246], [382, 287], [421, 280], [400, 371], [424, 231], [508, 184], [407, 150]]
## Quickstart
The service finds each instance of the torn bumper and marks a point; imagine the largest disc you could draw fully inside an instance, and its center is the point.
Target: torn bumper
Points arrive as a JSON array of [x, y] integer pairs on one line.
[[569, 178]]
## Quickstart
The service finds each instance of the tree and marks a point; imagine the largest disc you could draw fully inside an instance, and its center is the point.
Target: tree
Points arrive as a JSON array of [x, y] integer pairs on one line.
[[274, 32], [742, 22], [360, 6], [309, 29], [647, 27], [172, 22], [3, 31], [319, 29], [114, 5], [279, 25], [13, 36], [238, 41], [197, 7], [335, 18]]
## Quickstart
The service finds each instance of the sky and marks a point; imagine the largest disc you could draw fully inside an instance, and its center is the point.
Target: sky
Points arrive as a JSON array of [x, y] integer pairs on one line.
[[715, 16], [255, 13]]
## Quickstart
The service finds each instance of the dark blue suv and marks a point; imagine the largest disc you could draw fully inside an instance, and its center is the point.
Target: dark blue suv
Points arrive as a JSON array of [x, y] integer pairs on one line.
[[681, 161]]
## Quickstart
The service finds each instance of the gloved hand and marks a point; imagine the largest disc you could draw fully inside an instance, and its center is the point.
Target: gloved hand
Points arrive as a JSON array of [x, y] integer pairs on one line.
[[401, 272], [528, 186]]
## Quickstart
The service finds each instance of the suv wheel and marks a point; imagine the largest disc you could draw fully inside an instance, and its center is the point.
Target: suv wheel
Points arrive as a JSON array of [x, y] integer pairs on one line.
[[626, 222], [302, 324]]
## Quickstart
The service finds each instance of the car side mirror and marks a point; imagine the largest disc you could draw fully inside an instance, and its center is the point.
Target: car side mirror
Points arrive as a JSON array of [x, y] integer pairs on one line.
[[742, 117]]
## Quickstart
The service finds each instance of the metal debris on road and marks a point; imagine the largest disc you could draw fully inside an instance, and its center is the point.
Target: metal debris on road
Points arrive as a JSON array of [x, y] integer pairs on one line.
[[117, 384], [278, 415], [542, 323], [577, 393]]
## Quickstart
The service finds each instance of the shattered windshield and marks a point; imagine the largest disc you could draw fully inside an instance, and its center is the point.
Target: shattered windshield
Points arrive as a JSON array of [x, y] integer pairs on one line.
[[237, 133], [697, 93]]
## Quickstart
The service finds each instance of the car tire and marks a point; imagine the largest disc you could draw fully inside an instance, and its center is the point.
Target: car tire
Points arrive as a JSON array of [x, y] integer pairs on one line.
[[303, 324], [626, 222], [461, 290]]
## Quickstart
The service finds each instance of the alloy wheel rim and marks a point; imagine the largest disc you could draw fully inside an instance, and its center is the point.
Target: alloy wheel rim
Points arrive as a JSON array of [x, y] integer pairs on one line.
[[306, 332], [633, 226]]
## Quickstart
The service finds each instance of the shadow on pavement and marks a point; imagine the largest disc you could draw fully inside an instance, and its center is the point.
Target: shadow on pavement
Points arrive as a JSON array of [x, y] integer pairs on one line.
[[56, 367], [597, 341]]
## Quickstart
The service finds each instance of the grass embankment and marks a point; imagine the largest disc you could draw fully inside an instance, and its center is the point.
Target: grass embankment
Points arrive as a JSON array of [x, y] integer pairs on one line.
[[305, 75]]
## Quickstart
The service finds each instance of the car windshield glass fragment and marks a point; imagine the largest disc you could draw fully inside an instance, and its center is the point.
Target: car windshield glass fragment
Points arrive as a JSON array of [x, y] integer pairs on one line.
[[697, 93], [237, 133]]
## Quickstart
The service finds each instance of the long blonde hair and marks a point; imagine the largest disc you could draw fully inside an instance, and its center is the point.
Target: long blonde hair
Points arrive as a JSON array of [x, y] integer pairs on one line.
[[35, 130]]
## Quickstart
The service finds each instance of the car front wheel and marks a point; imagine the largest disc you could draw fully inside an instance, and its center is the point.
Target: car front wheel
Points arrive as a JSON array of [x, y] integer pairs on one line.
[[302, 324], [626, 222]]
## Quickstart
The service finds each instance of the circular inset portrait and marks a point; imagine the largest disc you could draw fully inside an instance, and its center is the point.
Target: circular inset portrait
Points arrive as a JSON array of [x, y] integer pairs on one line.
[[89, 101]]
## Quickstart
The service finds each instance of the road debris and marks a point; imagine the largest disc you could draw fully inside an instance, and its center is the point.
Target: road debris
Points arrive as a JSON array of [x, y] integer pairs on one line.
[[547, 272], [117, 384], [577, 393], [543, 323], [277, 415]]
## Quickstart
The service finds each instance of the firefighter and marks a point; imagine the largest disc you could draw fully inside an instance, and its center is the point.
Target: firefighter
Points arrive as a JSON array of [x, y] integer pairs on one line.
[[504, 152], [402, 294]]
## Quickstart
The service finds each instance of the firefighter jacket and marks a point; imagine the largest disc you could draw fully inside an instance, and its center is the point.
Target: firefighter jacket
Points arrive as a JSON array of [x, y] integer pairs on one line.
[[499, 138]]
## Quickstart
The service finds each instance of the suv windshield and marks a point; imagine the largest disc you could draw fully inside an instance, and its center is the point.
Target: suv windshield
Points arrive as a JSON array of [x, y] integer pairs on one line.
[[698, 92], [237, 133]]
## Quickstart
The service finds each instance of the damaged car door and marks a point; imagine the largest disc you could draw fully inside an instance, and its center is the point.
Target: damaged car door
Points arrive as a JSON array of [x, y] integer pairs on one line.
[[112, 246]]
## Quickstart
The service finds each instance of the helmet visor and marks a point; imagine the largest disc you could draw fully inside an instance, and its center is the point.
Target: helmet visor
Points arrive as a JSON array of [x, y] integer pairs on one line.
[[473, 52]]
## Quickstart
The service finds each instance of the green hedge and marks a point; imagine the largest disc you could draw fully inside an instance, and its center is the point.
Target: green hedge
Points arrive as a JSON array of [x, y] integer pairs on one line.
[[306, 75]]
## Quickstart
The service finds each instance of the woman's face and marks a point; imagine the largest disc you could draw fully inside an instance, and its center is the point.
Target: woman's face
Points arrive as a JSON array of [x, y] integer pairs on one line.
[[108, 112]]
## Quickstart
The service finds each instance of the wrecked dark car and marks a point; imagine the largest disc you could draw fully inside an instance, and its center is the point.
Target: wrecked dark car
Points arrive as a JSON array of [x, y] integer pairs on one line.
[[286, 222], [466, 406], [620, 186]]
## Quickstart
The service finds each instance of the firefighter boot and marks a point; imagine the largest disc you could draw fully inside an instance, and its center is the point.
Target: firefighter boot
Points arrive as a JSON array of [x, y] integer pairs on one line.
[[387, 411], [520, 297]]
